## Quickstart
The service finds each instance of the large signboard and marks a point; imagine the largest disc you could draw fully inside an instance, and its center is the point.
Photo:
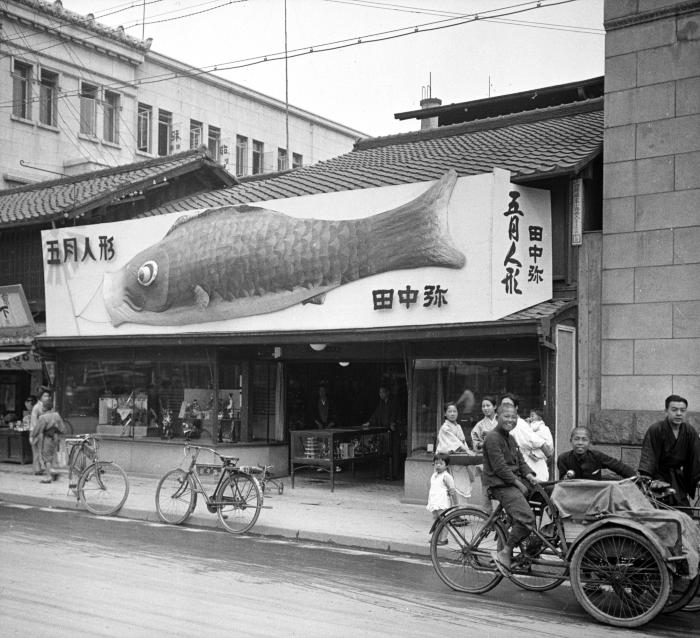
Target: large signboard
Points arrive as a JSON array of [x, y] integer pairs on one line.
[[456, 250]]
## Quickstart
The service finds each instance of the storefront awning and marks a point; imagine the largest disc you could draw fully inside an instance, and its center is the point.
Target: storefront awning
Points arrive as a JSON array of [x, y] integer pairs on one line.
[[20, 360]]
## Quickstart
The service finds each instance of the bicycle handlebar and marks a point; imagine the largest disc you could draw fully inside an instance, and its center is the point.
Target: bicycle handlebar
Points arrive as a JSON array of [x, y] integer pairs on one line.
[[198, 448]]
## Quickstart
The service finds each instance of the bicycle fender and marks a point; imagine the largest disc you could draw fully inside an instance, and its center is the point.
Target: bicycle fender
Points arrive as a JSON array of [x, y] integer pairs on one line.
[[618, 521]]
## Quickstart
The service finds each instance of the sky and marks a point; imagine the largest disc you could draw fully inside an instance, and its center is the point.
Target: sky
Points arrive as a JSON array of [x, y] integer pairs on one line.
[[362, 85]]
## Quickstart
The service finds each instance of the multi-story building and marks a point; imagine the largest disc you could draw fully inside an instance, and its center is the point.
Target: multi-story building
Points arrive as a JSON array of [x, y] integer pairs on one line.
[[78, 96]]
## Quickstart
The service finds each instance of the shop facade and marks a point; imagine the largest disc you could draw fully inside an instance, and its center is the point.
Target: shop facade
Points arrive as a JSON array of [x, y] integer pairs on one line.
[[426, 306]]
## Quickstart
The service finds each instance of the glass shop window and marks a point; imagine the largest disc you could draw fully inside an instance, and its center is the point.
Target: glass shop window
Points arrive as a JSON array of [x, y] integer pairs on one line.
[[163, 399], [439, 381]]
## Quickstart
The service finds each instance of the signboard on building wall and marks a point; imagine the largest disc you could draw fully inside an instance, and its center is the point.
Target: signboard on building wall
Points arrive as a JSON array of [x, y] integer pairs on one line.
[[456, 250], [15, 316]]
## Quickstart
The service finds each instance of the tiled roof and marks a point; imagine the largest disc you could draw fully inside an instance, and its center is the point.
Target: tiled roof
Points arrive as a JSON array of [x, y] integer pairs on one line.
[[71, 196], [534, 144], [56, 10], [539, 311]]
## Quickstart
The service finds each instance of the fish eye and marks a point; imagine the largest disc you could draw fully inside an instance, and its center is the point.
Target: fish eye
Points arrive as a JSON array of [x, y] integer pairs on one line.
[[147, 273]]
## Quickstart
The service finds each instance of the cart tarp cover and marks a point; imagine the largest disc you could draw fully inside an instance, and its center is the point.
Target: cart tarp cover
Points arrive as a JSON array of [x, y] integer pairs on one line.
[[588, 501]]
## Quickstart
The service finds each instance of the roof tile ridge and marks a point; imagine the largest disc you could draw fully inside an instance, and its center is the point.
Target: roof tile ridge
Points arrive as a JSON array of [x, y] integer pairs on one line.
[[105, 172]]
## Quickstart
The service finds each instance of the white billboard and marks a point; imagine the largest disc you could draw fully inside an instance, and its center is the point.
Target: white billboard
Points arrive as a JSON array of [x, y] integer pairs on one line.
[[456, 250]]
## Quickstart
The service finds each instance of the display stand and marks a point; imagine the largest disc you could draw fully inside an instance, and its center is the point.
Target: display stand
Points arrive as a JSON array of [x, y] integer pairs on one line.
[[15, 446], [339, 447]]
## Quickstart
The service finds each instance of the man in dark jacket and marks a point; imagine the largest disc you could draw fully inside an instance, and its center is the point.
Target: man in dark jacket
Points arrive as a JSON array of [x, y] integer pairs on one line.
[[507, 475], [583, 463], [671, 451]]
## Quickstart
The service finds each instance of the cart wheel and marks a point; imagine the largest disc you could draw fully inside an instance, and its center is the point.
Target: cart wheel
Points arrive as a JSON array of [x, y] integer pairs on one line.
[[464, 562], [619, 577], [280, 487], [682, 592]]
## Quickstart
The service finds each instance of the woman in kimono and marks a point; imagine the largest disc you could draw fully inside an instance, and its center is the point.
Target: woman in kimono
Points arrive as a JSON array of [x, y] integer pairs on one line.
[[451, 441]]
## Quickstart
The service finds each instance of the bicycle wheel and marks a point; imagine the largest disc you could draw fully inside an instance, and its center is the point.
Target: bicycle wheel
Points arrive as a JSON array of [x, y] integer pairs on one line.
[[238, 501], [175, 497], [464, 563], [682, 592], [527, 574], [694, 604], [619, 577], [103, 487]]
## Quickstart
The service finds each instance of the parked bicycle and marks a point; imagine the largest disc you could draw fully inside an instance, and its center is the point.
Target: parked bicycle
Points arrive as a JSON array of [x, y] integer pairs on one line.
[[237, 498], [101, 485]]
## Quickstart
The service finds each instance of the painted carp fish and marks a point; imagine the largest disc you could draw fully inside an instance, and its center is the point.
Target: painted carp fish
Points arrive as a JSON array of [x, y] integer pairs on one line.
[[237, 261]]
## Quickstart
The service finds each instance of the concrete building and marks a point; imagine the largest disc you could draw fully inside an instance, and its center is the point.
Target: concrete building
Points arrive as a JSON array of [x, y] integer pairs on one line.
[[79, 96], [638, 321]]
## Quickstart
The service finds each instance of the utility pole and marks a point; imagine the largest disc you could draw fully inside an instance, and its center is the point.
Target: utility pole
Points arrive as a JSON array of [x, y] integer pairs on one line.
[[286, 87]]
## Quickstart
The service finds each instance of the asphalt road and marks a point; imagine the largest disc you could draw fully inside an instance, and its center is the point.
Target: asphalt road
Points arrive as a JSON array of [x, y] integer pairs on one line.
[[67, 573]]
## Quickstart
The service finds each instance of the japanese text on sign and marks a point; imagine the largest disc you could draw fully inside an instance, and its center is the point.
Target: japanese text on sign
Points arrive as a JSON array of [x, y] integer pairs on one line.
[[79, 249], [511, 263], [383, 299]]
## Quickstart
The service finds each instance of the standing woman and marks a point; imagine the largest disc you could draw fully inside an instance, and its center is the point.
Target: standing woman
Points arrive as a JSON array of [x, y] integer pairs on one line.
[[35, 437], [451, 441], [479, 432]]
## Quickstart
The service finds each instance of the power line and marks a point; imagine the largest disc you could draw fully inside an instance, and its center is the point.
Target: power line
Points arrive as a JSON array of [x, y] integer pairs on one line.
[[333, 46]]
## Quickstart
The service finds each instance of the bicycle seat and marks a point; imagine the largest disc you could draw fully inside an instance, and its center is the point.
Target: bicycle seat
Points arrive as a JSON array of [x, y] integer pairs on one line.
[[229, 460]]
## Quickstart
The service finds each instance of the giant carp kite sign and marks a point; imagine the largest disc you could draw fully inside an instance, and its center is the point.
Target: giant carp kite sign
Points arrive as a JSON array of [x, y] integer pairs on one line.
[[450, 251]]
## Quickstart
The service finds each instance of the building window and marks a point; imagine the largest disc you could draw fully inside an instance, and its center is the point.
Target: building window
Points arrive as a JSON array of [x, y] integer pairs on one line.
[[165, 131], [297, 160], [48, 91], [110, 112], [144, 128], [282, 163], [196, 129], [241, 155], [214, 141], [22, 90], [258, 150], [88, 109]]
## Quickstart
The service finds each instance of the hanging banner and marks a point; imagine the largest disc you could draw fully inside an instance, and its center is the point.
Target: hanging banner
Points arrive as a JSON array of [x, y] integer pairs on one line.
[[456, 250]]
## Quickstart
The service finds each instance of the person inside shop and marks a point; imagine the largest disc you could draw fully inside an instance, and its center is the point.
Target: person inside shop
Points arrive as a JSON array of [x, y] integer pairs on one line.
[[507, 475], [35, 436], [387, 415], [583, 462], [323, 411], [29, 404], [671, 452]]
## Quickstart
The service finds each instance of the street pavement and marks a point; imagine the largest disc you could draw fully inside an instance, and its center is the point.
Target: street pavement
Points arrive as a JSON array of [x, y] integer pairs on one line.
[[361, 512]]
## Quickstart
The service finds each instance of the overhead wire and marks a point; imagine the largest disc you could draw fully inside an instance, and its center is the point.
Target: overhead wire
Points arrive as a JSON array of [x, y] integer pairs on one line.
[[336, 45]]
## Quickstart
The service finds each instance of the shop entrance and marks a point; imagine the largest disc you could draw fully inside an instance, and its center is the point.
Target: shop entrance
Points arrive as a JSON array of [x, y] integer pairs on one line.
[[352, 391]]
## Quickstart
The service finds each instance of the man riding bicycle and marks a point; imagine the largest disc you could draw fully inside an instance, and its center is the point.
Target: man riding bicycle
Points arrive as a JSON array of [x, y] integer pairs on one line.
[[506, 474]]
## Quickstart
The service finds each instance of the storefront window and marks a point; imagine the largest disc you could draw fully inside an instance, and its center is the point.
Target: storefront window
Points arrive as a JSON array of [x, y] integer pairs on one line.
[[165, 399], [438, 381]]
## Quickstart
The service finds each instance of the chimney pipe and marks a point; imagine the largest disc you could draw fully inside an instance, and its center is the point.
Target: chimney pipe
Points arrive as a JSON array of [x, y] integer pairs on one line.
[[429, 122]]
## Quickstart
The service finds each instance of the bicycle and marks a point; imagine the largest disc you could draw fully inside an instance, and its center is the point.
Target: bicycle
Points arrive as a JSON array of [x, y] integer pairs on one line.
[[237, 498], [101, 485], [264, 475]]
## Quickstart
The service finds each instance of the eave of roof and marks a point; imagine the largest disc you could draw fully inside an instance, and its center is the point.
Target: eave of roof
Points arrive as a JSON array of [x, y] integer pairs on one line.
[[499, 99], [71, 197], [525, 323]]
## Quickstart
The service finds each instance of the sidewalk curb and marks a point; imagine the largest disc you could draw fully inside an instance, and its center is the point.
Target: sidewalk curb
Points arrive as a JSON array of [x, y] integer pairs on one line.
[[260, 529]]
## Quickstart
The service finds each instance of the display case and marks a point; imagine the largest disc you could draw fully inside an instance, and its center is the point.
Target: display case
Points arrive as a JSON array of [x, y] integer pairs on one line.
[[339, 447], [15, 446]]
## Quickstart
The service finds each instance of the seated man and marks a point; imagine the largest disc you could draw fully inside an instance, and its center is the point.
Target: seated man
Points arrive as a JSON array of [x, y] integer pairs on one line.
[[671, 451], [505, 474], [584, 463]]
